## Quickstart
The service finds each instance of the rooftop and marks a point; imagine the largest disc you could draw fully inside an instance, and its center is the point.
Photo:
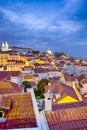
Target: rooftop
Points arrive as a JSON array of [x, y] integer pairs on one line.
[[69, 78], [67, 119], [9, 87], [5, 75], [56, 106], [62, 89], [21, 114]]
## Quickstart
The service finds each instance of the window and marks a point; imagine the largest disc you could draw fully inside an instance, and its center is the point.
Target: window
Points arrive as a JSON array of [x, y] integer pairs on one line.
[[1, 114]]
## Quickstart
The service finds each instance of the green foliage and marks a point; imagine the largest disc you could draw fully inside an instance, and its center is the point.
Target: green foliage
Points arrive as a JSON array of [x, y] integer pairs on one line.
[[41, 86], [35, 52], [37, 92], [58, 54], [5, 67], [38, 97], [26, 85]]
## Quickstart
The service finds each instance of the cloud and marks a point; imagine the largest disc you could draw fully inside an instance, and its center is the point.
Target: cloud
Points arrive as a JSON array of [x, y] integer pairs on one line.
[[34, 20], [55, 24], [28, 20], [67, 26]]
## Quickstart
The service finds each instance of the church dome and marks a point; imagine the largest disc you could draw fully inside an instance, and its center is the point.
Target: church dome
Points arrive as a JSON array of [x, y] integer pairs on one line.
[[49, 51]]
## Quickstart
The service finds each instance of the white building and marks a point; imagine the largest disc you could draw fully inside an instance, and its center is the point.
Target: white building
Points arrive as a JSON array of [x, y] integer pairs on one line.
[[5, 46], [49, 51]]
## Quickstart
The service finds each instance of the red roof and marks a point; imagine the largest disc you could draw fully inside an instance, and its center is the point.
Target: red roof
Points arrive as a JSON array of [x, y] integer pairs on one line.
[[81, 77], [9, 87], [5, 102], [56, 106], [5, 75], [40, 70], [21, 114], [62, 89], [70, 78], [84, 81], [1, 66], [68, 119]]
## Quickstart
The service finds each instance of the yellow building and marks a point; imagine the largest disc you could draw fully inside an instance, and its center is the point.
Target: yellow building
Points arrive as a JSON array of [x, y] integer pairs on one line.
[[15, 65], [4, 56], [12, 61]]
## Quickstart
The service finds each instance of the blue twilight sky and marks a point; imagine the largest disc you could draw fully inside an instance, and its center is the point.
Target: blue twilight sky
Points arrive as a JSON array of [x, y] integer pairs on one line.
[[41, 24]]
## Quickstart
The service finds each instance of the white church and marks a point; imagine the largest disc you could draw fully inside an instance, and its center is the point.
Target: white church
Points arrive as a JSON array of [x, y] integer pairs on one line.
[[5, 46], [49, 51]]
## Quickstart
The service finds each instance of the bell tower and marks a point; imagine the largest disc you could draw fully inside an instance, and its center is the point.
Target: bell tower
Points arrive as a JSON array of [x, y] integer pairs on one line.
[[5, 46]]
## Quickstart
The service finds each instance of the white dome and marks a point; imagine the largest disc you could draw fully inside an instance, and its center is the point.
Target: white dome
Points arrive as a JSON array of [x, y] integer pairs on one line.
[[49, 51]]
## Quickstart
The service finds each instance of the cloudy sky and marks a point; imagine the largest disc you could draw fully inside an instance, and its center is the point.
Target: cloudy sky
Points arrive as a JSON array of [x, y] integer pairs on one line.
[[41, 24]]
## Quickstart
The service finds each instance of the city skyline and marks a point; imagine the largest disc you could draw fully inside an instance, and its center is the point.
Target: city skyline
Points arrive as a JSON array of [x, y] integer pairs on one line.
[[56, 24]]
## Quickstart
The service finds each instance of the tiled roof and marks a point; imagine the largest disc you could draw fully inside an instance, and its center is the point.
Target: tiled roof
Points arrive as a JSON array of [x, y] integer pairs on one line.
[[17, 87], [28, 77], [21, 115], [27, 67], [40, 70], [54, 79], [37, 64], [5, 102], [56, 106], [1, 66], [4, 52], [62, 89], [70, 78], [9, 87], [81, 77], [80, 86], [67, 119], [5, 75], [84, 96], [15, 61], [84, 81]]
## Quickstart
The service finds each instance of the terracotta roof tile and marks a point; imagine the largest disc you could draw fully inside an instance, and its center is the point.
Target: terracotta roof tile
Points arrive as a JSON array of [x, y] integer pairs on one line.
[[5, 102], [62, 89], [70, 78], [67, 119], [69, 105], [9, 87], [5, 75], [21, 115], [81, 77], [84, 81], [40, 70]]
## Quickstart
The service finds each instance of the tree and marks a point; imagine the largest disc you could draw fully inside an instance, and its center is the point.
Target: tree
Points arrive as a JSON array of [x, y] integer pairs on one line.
[[37, 93], [5, 67], [35, 52], [41, 86], [26, 85]]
